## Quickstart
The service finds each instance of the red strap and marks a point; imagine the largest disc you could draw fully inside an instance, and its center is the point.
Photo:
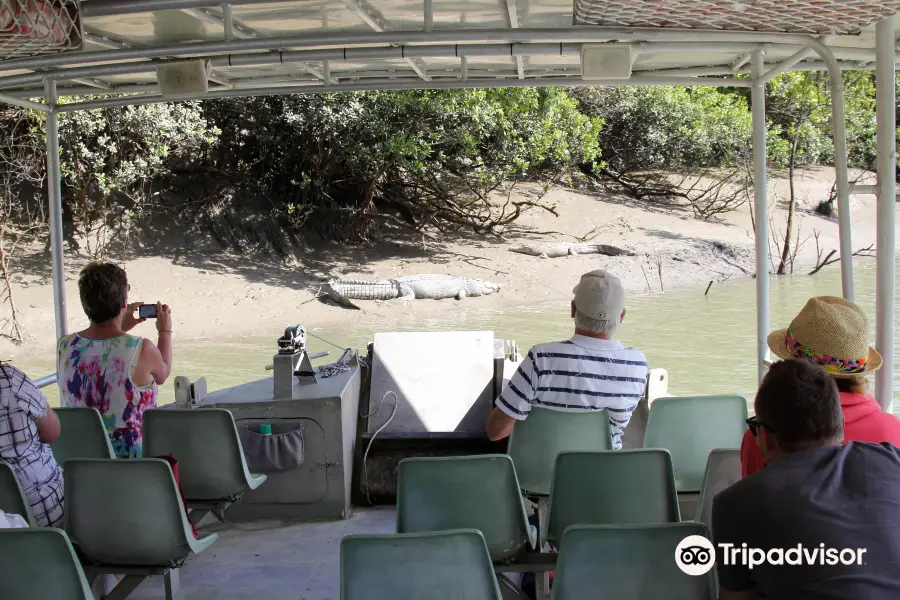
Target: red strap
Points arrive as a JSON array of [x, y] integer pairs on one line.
[[174, 465]]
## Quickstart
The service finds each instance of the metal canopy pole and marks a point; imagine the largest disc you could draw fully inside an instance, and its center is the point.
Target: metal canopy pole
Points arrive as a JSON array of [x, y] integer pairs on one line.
[[228, 22], [393, 84], [760, 183], [293, 56], [836, 82], [398, 38], [785, 65], [23, 103], [886, 126], [55, 201], [791, 61]]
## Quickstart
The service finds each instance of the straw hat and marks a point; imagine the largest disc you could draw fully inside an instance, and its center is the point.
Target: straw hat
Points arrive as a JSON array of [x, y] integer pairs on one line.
[[832, 333]]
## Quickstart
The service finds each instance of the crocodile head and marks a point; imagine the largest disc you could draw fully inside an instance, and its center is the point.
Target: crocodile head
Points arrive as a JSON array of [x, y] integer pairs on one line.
[[480, 287]]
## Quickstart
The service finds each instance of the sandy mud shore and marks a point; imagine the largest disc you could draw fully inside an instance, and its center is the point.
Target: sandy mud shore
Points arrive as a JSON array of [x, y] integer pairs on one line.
[[214, 293]]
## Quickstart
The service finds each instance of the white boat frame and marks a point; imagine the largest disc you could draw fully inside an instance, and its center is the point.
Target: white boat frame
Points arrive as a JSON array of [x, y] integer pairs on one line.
[[489, 43]]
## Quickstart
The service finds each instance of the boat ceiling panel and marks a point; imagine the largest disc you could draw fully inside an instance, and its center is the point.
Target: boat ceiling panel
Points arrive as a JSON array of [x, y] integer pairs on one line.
[[409, 15], [286, 17], [166, 27], [538, 14]]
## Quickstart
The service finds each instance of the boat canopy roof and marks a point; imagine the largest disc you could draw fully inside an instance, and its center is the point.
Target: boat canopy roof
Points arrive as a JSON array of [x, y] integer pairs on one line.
[[123, 48]]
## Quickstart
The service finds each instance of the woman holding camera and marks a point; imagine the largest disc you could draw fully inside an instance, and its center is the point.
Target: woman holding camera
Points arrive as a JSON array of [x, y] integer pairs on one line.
[[106, 368]]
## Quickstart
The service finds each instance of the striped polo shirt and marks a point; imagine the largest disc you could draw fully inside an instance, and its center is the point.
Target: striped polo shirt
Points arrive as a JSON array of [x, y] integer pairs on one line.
[[583, 373]]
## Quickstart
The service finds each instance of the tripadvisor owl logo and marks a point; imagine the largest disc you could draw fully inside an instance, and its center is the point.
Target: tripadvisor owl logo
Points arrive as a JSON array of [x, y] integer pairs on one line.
[[695, 555]]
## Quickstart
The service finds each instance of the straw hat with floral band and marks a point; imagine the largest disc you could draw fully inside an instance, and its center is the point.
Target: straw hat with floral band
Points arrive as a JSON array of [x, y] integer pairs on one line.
[[832, 333]]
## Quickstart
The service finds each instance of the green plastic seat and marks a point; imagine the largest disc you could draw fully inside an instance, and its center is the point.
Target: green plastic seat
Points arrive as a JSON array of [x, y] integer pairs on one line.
[[465, 492], [126, 517], [40, 564], [624, 487], [691, 427], [417, 566], [82, 435], [212, 467], [628, 562], [535, 443], [12, 497], [723, 469]]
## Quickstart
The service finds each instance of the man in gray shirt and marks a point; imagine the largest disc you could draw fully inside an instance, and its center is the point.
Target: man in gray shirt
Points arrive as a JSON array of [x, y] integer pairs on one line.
[[822, 520]]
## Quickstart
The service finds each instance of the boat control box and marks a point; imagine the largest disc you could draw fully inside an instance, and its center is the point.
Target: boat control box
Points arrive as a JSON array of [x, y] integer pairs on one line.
[[300, 430]]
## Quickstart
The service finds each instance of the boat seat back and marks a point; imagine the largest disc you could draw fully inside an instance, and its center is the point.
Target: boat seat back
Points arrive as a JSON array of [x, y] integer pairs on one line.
[[424, 566], [82, 435], [621, 487], [12, 497], [465, 492], [723, 469], [205, 442], [40, 564], [128, 512], [690, 427], [536, 442], [628, 562]]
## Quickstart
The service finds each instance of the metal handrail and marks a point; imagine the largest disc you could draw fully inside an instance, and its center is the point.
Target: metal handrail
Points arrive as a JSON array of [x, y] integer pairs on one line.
[[45, 381]]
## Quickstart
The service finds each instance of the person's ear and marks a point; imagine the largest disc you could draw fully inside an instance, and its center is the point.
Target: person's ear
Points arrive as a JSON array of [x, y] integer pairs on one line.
[[767, 442], [760, 441], [573, 309], [622, 318]]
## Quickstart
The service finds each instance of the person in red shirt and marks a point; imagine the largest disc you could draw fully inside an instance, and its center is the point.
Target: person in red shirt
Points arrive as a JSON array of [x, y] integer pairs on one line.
[[834, 334]]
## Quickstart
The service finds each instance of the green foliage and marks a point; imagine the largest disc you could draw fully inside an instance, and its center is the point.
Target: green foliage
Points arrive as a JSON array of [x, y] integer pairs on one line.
[[674, 127], [859, 98], [668, 127], [798, 110], [801, 103], [343, 162], [117, 151]]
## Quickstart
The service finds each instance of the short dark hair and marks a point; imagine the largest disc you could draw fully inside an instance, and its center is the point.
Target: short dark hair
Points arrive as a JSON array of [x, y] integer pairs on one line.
[[103, 288], [799, 403]]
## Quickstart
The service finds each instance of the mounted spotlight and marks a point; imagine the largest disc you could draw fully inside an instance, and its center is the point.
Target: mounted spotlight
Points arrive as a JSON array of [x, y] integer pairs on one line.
[[184, 79], [605, 61]]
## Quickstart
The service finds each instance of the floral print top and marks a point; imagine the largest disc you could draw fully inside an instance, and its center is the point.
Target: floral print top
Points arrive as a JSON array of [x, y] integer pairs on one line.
[[97, 374]]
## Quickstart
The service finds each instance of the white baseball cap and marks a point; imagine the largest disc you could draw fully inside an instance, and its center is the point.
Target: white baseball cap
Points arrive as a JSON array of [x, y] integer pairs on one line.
[[600, 295]]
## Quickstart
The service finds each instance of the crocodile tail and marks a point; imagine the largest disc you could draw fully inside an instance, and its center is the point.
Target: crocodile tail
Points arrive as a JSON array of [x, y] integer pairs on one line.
[[333, 291], [362, 290]]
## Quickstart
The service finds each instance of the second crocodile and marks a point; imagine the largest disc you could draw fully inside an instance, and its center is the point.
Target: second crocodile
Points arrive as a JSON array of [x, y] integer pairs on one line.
[[567, 249], [432, 287]]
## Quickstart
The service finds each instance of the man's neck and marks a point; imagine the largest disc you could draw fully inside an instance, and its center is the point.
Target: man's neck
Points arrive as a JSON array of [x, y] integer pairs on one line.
[[777, 454], [593, 334]]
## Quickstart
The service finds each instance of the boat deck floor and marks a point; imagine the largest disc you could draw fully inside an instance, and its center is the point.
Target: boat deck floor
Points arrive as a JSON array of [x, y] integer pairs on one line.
[[282, 560], [271, 560]]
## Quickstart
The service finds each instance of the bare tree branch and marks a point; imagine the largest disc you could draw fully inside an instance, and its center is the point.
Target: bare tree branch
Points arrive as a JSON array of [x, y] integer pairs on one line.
[[867, 251]]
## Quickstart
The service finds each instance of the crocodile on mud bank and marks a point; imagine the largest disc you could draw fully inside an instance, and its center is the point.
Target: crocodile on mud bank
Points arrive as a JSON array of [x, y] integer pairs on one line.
[[567, 249], [431, 287]]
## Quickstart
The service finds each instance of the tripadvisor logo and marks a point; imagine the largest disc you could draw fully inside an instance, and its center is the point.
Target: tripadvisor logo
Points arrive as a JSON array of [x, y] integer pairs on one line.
[[696, 555]]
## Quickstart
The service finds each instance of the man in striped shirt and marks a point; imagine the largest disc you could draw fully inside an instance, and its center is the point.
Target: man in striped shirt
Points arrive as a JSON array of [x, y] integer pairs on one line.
[[589, 372]]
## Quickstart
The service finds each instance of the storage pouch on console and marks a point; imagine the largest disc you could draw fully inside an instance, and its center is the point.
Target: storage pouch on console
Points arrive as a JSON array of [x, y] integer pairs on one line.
[[268, 453]]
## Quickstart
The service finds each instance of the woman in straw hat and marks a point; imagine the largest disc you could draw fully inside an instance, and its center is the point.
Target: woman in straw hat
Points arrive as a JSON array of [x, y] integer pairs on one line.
[[834, 334]]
